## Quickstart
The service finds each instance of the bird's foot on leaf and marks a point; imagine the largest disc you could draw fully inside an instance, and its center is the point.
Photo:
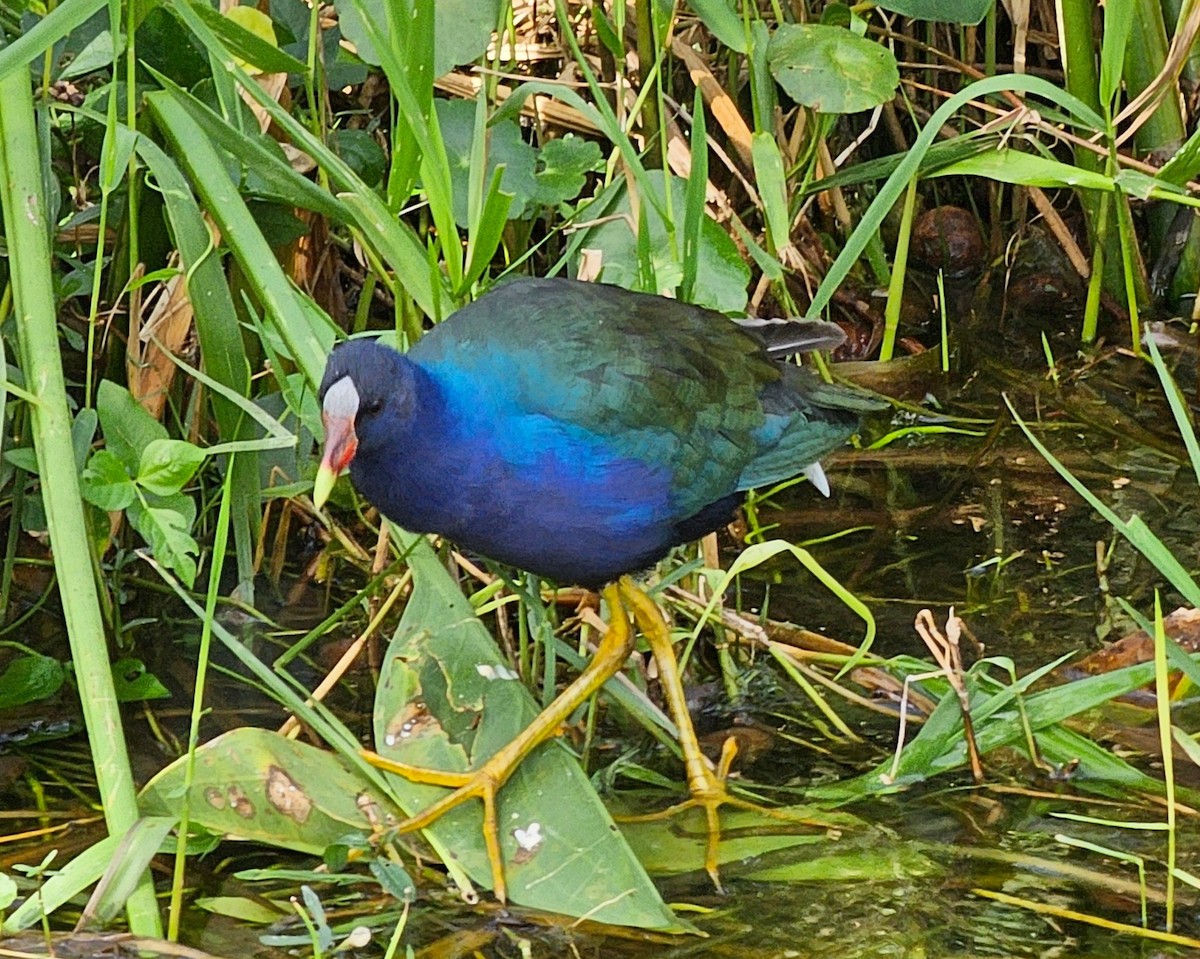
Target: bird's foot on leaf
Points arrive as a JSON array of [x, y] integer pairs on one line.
[[482, 783], [485, 781]]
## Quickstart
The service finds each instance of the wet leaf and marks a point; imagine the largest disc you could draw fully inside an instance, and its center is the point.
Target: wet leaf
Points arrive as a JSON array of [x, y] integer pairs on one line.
[[243, 909], [675, 844], [882, 860], [394, 879], [255, 784]]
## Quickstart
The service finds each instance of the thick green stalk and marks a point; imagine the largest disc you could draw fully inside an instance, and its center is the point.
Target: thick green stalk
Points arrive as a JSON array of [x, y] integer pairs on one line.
[[26, 233], [647, 49], [1077, 43], [1159, 138]]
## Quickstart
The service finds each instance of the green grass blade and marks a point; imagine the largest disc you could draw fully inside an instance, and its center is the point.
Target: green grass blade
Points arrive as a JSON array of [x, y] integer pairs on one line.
[[42, 36], [1179, 408], [26, 233], [697, 188], [220, 343]]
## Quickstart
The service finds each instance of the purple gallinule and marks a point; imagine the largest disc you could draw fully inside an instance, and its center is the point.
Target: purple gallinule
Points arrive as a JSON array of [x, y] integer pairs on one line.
[[579, 431]]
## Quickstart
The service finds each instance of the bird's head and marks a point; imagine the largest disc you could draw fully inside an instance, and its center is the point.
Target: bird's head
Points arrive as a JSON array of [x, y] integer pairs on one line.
[[365, 390]]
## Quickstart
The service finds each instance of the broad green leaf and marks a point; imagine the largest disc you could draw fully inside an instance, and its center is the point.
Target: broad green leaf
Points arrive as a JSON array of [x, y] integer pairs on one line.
[[105, 482], [30, 678], [444, 670], [255, 784], [362, 153], [944, 11], [135, 683], [723, 20], [97, 55], [23, 458], [830, 69], [341, 67], [394, 878], [505, 148], [167, 465], [128, 428], [243, 909]]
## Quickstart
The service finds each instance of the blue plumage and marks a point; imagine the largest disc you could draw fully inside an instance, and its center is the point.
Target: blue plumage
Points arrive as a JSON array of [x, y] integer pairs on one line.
[[575, 430]]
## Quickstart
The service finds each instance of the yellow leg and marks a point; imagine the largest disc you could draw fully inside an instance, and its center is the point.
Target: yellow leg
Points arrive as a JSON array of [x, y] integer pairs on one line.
[[707, 786], [484, 782]]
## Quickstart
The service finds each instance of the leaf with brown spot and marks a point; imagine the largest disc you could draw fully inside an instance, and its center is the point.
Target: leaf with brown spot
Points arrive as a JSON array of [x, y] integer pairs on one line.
[[246, 784], [285, 794]]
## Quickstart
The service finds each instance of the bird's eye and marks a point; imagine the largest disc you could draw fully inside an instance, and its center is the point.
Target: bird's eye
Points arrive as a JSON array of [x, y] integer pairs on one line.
[[374, 407]]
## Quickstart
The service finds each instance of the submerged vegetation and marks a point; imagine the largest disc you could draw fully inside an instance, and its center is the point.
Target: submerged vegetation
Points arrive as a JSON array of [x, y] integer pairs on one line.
[[970, 670]]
